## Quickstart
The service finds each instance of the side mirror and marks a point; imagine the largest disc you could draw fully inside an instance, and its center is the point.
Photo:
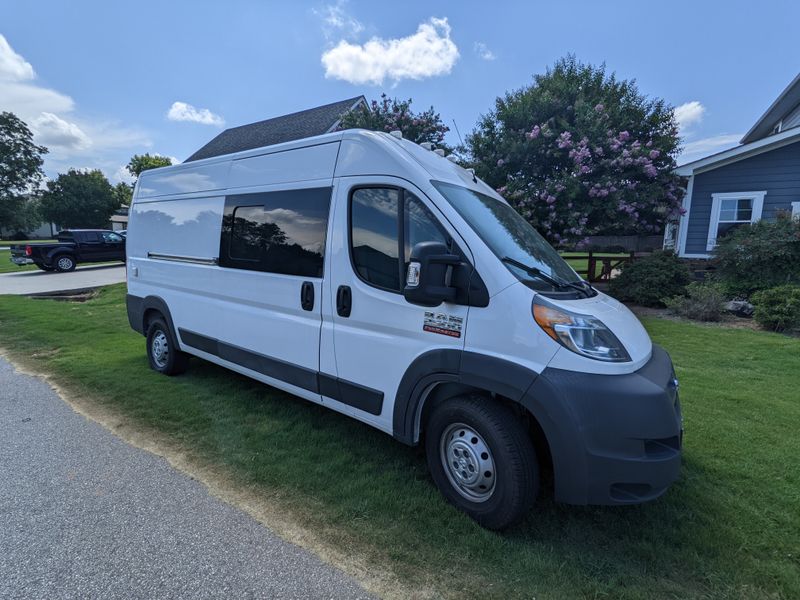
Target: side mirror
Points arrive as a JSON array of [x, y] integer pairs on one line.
[[430, 270]]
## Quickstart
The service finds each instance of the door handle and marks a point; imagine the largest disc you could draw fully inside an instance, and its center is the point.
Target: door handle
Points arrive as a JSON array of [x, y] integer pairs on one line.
[[307, 295], [344, 301]]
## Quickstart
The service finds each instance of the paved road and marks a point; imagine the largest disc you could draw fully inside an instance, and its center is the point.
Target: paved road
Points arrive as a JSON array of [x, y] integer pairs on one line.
[[85, 515], [36, 282]]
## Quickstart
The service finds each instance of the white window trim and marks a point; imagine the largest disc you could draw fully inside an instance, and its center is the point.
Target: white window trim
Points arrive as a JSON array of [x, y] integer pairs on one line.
[[796, 210], [716, 204]]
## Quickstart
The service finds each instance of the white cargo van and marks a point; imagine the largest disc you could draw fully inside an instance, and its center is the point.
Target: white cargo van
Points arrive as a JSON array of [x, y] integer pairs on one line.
[[371, 275]]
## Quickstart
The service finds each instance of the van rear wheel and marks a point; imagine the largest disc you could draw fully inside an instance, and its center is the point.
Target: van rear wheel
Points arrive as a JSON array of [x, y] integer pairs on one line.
[[162, 351], [482, 460]]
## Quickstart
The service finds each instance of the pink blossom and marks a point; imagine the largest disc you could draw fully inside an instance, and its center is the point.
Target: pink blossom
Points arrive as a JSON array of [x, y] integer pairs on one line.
[[534, 133], [624, 136], [654, 154], [501, 162], [599, 107], [650, 171]]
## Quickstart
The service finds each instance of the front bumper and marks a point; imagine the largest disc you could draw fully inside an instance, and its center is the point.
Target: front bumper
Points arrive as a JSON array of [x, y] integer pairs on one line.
[[614, 439]]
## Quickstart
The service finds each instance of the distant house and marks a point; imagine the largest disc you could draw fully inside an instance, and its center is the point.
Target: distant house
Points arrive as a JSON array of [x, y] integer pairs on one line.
[[299, 125], [752, 181]]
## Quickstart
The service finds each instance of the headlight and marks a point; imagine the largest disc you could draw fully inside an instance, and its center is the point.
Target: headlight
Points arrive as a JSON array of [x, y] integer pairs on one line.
[[582, 334]]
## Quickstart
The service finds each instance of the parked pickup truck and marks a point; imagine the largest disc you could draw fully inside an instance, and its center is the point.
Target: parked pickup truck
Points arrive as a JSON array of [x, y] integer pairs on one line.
[[71, 247]]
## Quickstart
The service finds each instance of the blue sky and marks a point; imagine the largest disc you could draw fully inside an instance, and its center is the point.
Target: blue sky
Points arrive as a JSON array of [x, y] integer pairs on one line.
[[99, 81]]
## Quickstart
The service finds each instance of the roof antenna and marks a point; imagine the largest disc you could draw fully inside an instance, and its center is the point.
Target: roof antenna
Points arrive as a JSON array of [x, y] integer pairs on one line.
[[458, 132]]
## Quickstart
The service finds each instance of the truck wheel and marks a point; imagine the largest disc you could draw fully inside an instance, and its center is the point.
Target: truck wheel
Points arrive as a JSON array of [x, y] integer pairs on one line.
[[162, 351], [482, 459], [64, 263]]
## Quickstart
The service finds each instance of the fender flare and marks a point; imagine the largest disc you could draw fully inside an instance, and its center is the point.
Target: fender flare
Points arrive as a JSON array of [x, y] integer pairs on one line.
[[137, 309], [521, 385], [471, 369]]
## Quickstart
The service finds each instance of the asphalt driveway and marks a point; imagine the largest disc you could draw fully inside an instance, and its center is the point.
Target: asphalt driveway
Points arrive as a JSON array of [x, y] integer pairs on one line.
[[85, 515], [38, 282]]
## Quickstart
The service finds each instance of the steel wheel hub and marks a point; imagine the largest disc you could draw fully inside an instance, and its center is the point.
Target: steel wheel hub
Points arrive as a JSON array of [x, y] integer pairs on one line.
[[468, 462], [160, 349], [64, 263]]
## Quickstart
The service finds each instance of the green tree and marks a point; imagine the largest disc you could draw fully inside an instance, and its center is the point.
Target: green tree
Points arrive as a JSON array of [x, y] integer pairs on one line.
[[123, 193], [20, 173], [581, 153], [142, 162], [79, 199], [393, 114]]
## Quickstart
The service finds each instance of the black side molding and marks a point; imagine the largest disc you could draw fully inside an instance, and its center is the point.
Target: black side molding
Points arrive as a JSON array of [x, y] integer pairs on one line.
[[347, 392]]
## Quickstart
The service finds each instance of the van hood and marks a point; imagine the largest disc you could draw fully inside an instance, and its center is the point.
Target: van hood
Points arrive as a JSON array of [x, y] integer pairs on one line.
[[619, 319]]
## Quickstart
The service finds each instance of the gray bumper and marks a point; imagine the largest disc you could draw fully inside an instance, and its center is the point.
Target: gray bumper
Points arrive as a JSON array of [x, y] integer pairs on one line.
[[614, 439]]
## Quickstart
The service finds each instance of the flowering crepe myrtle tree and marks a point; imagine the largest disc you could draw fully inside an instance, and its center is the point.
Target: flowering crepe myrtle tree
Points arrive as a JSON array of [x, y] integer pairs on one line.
[[580, 153], [393, 114]]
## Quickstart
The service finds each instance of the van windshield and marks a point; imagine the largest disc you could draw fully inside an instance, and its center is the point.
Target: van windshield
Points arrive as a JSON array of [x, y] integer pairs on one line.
[[512, 239]]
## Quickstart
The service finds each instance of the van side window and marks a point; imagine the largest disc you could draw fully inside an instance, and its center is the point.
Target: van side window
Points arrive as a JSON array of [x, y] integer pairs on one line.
[[276, 232], [373, 236], [376, 217], [419, 225]]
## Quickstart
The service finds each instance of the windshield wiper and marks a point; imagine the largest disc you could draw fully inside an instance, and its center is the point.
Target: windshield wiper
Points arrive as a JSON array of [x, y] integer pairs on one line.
[[554, 281]]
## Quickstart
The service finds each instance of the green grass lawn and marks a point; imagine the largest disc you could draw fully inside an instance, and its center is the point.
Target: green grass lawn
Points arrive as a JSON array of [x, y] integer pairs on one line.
[[730, 528], [5, 243], [6, 266]]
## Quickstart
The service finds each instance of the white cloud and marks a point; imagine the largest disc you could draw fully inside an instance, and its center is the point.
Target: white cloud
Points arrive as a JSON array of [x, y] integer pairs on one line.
[[426, 53], [12, 66], [703, 147], [52, 130], [71, 141], [181, 111], [121, 175], [483, 51], [337, 21], [689, 113]]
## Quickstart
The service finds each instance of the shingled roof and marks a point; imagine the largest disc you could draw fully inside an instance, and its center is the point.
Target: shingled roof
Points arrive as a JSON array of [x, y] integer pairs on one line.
[[303, 124]]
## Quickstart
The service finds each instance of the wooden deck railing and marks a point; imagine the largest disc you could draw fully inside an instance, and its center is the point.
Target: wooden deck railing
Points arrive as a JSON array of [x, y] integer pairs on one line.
[[599, 265]]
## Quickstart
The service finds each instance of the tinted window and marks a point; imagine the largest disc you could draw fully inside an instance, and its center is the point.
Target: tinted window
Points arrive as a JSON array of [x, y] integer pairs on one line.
[[91, 236], [420, 225], [374, 235], [278, 232], [375, 215]]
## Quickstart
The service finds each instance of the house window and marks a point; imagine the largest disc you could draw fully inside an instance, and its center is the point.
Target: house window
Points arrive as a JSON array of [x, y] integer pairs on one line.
[[796, 210], [732, 210]]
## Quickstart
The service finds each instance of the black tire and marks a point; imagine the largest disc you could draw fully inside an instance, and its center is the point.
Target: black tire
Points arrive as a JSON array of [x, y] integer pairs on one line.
[[45, 267], [502, 439], [162, 350], [64, 263]]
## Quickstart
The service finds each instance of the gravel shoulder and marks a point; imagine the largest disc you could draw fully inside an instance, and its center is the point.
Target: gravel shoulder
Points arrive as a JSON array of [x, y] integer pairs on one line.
[[84, 514]]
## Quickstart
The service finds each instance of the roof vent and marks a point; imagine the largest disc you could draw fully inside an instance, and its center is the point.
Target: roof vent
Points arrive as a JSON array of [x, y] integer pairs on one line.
[[439, 151], [427, 145], [396, 133]]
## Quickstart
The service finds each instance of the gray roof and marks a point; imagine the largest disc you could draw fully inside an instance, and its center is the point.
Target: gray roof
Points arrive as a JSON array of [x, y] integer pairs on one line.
[[303, 124], [789, 99]]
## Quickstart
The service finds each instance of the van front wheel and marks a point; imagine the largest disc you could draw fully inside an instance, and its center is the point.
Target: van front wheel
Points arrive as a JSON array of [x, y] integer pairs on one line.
[[162, 352], [482, 459]]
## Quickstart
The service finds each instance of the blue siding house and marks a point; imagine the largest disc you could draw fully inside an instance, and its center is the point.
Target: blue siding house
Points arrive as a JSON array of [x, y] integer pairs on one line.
[[752, 181]]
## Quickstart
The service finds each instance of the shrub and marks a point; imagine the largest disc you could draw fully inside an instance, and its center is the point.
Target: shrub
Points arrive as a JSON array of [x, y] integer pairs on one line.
[[651, 279], [759, 256], [703, 302], [778, 308]]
